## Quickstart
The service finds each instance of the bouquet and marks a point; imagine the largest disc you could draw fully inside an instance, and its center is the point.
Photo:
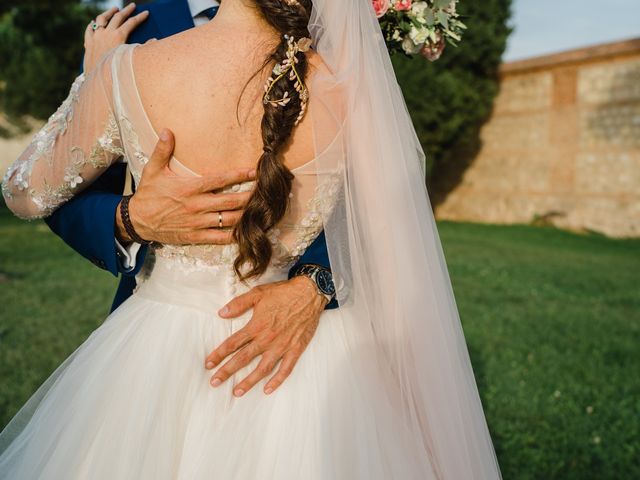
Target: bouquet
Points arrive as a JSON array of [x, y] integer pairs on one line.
[[423, 27]]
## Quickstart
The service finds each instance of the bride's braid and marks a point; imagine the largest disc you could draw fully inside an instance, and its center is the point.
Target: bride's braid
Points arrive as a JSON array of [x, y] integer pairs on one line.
[[270, 199]]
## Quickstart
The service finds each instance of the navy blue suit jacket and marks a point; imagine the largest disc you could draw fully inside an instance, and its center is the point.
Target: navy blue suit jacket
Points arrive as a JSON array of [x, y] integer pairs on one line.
[[87, 222]]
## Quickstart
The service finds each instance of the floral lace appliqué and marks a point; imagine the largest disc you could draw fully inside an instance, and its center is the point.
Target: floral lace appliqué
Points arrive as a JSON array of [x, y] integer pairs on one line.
[[318, 208], [136, 157], [100, 156], [44, 141], [204, 257], [48, 197]]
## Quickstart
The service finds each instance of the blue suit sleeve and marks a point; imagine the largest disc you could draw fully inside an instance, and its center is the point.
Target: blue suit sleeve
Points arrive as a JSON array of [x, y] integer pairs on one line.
[[317, 253], [87, 222]]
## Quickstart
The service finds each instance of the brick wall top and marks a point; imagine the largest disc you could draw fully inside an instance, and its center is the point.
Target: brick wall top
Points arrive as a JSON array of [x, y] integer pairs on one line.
[[577, 56]]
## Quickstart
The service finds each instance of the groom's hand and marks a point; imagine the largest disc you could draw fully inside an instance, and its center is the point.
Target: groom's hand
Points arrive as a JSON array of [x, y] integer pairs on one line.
[[177, 209], [285, 318]]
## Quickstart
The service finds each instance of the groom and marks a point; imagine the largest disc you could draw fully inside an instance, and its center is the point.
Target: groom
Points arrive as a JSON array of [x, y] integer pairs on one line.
[[90, 223]]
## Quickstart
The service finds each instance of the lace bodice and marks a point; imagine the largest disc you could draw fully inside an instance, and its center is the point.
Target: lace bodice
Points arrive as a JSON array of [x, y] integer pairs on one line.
[[103, 121]]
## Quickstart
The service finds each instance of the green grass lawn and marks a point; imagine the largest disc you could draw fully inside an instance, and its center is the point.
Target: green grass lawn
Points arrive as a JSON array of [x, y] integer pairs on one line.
[[552, 320]]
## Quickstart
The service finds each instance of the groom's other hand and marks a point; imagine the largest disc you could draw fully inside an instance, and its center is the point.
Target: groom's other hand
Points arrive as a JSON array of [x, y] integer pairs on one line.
[[177, 209], [285, 318]]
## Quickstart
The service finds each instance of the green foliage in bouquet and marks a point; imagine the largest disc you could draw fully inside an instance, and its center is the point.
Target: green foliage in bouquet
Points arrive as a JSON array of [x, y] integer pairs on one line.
[[451, 98], [408, 25], [40, 54]]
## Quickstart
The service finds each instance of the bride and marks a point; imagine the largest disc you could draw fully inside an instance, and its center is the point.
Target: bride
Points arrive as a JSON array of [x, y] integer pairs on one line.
[[385, 389]]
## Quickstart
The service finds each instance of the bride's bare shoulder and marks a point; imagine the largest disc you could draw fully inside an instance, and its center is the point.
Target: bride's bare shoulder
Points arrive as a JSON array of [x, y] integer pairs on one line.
[[156, 52]]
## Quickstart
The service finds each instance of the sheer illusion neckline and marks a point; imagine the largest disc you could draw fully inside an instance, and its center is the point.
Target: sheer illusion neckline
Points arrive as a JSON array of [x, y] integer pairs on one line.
[[174, 159]]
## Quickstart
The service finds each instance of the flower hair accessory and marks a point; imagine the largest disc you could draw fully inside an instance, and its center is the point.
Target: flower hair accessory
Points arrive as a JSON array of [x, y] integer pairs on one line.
[[287, 69]]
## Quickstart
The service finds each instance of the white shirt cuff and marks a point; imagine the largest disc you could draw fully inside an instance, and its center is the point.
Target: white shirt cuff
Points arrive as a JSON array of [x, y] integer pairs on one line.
[[127, 255]]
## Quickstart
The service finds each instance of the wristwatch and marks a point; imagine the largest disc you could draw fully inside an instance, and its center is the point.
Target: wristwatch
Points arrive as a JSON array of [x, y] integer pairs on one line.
[[320, 275]]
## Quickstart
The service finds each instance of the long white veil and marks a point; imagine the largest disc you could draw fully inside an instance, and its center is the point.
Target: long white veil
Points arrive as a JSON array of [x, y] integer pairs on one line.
[[384, 247], [393, 286]]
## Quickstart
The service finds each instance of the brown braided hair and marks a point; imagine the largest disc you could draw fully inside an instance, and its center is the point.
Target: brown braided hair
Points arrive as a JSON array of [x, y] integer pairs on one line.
[[270, 198]]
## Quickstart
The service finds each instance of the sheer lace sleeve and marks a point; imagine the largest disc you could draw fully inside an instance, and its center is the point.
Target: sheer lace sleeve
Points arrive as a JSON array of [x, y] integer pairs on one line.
[[80, 141]]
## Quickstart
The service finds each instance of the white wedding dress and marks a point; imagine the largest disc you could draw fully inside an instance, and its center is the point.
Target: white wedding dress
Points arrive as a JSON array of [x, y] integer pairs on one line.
[[134, 400], [384, 390]]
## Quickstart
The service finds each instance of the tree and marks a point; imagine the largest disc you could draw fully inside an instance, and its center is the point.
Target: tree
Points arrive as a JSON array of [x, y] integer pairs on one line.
[[41, 45], [450, 99], [41, 49]]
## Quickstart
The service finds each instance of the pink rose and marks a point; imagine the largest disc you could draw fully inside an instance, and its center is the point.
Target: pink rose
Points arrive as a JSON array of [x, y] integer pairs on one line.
[[402, 5], [381, 7]]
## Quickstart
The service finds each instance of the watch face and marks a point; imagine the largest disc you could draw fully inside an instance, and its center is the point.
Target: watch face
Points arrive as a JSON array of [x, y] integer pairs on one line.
[[324, 280]]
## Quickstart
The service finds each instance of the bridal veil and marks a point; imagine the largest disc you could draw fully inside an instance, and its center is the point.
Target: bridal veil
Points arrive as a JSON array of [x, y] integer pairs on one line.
[[392, 283], [384, 247]]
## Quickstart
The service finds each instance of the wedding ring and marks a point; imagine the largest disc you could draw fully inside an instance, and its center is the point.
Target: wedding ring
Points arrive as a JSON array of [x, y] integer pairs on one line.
[[219, 219], [95, 26]]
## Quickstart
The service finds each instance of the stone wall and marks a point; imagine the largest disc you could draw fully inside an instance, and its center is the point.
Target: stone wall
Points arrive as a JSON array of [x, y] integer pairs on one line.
[[563, 144]]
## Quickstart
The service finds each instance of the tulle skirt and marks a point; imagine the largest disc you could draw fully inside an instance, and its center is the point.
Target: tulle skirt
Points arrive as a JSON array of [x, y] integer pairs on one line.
[[134, 402]]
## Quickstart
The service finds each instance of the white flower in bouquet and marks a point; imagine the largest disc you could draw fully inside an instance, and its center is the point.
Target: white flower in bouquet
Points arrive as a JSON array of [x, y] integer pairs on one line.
[[423, 27], [409, 47], [419, 9], [418, 35]]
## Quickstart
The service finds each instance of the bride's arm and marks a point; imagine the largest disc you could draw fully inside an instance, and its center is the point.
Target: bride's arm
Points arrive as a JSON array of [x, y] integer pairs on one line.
[[79, 142]]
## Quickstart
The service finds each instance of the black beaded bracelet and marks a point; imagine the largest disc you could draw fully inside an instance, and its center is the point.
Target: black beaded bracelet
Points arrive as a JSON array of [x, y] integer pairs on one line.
[[126, 221]]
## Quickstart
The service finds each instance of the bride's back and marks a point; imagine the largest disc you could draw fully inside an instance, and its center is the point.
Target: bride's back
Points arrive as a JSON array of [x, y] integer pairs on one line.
[[206, 85]]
